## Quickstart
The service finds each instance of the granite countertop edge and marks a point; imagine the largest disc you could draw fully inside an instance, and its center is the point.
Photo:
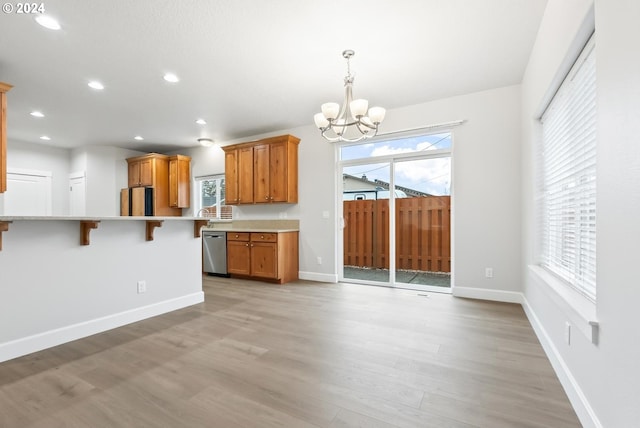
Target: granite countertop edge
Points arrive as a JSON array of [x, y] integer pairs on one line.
[[249, 229]]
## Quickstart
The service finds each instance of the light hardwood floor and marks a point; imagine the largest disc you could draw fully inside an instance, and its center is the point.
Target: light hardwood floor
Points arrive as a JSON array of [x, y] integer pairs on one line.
[[303, 354]]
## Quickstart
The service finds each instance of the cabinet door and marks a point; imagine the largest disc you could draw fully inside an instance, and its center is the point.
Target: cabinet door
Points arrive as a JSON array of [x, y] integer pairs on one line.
[[238, 257], [134, 174], [173, 183], [261, 174], [264, 259], [245, 175], [179, 182], [146, 172], [138, 201], [141, 173], [278, 174], [231, 177]]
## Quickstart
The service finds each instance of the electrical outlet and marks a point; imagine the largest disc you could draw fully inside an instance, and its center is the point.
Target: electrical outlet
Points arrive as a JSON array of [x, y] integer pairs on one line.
[[488, 272], [319, 260], [567, 333], [142, 287]]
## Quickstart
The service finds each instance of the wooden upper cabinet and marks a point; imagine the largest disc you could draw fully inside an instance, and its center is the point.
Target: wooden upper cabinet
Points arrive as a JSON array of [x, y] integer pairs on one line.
[[171, 182], [231, 176], [238, 175], [261, 182], [4, 88], [141, 172], [283, 172], [264, 171], [245, 175], [179, 181]]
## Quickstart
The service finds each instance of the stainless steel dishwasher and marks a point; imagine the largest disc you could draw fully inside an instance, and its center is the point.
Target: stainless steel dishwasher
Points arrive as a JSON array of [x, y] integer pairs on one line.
[[214, 251]]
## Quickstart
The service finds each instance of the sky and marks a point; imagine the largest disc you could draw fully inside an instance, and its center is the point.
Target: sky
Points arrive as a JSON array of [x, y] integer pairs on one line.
[[432, 176]]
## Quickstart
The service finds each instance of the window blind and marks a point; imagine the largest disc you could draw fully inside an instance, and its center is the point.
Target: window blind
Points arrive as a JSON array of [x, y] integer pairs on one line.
[[568, 178]]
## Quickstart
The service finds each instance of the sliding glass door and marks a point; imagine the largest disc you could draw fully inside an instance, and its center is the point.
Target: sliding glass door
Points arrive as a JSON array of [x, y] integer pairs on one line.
[[366, 220], [396, 209], [423, 223]]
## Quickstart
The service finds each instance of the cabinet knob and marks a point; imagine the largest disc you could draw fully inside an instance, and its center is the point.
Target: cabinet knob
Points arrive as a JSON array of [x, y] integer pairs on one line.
[[246, 245], [236, 235], [261, 236], [266, 197]]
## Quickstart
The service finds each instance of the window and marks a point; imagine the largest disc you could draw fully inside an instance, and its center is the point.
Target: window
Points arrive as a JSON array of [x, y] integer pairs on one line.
[[567, 178], [421, 143], [211, 197]]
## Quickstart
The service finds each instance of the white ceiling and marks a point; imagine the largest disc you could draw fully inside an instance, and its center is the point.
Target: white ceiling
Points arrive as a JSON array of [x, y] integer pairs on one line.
[[246, 66]]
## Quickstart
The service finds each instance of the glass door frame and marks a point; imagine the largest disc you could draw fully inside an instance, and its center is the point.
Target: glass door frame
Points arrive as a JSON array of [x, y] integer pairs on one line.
[[391, 160]]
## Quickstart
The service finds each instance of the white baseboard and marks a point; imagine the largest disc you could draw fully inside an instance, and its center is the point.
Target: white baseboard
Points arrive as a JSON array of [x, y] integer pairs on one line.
[[320, 277], [577, 398], [48, 339], [488, 294]]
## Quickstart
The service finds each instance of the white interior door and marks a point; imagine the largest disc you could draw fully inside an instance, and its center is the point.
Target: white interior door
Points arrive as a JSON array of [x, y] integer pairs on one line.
[[77, 194], [28, 193]]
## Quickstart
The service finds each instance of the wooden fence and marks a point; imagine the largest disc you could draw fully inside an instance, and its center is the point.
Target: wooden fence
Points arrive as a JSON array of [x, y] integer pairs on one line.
[[423, 238]]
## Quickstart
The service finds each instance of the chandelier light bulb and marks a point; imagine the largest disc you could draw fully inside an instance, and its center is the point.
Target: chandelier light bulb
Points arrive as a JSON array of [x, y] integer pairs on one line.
[[330, 110], [359, 107], [320, 120], [376, 114]]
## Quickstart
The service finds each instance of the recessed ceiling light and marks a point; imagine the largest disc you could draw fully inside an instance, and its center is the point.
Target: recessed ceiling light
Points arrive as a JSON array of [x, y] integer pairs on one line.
[[48, 22], [201, 122], [36, 114], [138, 137], [170, 77], [94, 84], [205, 142], [44, 137]]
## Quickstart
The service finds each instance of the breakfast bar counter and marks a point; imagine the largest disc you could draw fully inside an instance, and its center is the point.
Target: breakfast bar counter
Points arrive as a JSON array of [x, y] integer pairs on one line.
[[63, 278]]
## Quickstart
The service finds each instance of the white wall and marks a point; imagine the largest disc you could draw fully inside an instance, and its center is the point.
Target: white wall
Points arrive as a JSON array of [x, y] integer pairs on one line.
[[106, 171], [602, 379], [42, 158], [486, 188], [105, 167]]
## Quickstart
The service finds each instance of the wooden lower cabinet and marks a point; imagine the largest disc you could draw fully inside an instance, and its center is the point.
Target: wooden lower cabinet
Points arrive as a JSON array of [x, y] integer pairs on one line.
[[238, 254], [267, 256]]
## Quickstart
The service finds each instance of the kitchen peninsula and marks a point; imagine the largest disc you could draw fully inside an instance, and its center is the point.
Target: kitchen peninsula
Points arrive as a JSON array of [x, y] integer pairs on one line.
[[63, 278]]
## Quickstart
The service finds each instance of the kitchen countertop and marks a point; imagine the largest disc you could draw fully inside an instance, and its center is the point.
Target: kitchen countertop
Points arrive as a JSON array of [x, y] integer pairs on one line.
[[258, 226], [249, 229]]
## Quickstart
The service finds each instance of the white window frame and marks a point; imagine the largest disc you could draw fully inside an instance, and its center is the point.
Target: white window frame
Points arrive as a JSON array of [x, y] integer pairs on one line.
[[198, 199], [392, 160], [567, 180]]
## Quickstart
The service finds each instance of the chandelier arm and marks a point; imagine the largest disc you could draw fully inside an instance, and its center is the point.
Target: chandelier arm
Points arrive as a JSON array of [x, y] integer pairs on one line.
[[360, 122], [329, 138], [339, 138]]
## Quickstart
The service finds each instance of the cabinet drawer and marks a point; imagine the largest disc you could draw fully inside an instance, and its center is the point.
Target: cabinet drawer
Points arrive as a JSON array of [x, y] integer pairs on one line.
[[264, 237], [238, 236]]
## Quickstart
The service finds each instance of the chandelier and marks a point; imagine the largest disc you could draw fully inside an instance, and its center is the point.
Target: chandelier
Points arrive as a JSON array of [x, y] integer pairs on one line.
[[353, 122]]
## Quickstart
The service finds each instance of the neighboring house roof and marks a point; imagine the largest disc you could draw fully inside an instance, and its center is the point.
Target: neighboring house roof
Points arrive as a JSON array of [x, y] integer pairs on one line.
[[383, 184]]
